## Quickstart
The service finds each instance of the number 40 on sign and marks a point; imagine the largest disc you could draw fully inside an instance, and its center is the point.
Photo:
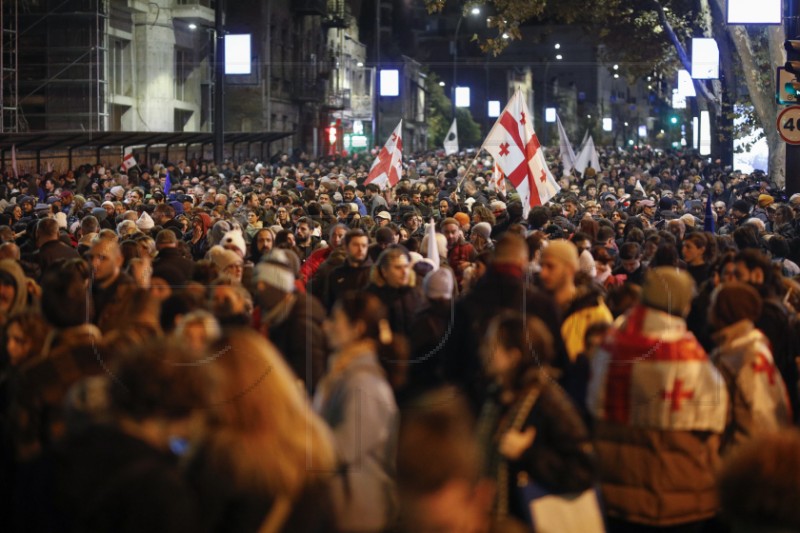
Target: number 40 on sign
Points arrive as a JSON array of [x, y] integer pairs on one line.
[[789, 124]]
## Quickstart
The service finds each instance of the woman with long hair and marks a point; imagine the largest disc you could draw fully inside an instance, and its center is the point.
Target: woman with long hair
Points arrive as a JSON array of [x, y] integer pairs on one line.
[[356, 400], [267, 459], [529, 427]]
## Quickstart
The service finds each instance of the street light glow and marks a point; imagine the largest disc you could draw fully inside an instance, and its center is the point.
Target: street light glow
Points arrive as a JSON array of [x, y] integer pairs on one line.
[[192, 26], [441, 84], [476, 11], [360, 64], [505, 36], [616, 76], [616, 67], [558, 46], [559, 57]]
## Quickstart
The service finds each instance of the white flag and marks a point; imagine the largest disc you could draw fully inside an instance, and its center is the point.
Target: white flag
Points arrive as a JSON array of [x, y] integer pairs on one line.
[[451, 140], [14, 160], [639, 188], [516, 151], [388, 166], [567, 153], [432, 252], [587, 157], [128, 162]]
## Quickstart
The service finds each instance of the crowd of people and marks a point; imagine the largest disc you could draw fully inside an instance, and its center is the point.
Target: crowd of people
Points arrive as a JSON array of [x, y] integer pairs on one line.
[[281, 346]]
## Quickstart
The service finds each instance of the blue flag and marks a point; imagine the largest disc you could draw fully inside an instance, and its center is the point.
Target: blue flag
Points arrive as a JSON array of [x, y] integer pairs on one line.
[[167, 184], [708, 223]]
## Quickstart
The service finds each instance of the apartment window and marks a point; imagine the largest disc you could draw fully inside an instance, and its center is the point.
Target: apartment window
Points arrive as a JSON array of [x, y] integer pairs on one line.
[[121, 67], [183, 68]]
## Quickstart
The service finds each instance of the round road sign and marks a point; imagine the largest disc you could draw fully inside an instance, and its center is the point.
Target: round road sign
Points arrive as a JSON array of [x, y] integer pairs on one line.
[[789, 124]]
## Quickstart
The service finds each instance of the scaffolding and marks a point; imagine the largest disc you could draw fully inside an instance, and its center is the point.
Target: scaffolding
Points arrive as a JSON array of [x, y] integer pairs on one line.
[[62, 67], [9, 88]]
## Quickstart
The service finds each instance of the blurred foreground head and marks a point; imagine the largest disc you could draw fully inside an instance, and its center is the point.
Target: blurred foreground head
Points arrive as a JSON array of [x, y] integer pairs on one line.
[[759, 485]]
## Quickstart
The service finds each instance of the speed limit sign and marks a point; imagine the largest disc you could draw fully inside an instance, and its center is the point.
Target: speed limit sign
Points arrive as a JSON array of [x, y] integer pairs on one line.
[[789, 124]]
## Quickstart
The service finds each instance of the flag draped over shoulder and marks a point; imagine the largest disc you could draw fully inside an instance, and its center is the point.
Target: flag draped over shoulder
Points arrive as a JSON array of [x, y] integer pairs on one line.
[[451, 139], [516, 151], [656, 383], [567, 153], [388, 165]]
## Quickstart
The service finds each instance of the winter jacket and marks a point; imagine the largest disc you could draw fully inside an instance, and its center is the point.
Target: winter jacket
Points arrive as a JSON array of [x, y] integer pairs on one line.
[[358, 404], [659, 407]]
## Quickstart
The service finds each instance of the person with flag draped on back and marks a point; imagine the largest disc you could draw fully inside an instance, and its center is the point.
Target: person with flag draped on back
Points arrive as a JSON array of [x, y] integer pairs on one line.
[[659, 407]]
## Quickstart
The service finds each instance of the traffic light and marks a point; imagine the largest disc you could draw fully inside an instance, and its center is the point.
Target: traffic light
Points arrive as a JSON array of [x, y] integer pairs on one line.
[[792, 57]]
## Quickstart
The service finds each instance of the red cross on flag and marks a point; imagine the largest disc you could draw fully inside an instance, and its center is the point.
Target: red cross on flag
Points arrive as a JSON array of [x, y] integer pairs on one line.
[[128, 162], [388, 166], [664, 382], [516, 150], [499, 180]]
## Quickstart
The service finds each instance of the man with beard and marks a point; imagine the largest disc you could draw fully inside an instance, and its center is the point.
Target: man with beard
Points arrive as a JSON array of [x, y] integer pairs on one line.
[[353, 274]]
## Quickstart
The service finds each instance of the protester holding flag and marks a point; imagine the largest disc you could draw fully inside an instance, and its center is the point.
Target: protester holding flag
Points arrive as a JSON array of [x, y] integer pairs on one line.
[[517, 152]]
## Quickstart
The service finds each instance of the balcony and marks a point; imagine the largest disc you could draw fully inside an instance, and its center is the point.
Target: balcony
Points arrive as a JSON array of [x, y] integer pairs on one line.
[[196, 11]]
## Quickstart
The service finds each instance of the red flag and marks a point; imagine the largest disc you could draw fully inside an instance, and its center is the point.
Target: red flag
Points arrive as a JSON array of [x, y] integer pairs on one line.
[[516, 151], [388, 166]]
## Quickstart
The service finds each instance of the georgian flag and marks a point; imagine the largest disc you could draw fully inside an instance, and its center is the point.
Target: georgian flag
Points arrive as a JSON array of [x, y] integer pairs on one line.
[[128, 162], [664, 383], [516, 151], [451, 140], [498, 180], [388, 166]]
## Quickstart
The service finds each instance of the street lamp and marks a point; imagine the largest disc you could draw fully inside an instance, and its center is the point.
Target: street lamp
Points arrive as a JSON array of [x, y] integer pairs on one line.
[[473, 11]]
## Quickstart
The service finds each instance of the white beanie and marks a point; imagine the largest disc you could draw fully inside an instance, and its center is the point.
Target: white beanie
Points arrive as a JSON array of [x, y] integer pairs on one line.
[[223, 258], [276, 271], [118, 191], [61, 219], [439, 284], [235, 238], [145, 222]]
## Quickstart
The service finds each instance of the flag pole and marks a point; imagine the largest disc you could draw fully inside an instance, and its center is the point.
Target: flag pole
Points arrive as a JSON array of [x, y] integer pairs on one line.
[[466, 172]]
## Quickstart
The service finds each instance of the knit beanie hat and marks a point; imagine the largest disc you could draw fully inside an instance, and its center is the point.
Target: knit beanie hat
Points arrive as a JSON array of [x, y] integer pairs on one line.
[[765, 200], [223, 258], [439, 284], [735, 301], [668, 289], [484, 229], [276, 271], [563, 251], [235, 238], [462, 218], [145, 222]]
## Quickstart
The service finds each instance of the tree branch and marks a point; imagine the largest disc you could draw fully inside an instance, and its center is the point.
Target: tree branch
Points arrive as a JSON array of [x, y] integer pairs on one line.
[[710, 97]]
